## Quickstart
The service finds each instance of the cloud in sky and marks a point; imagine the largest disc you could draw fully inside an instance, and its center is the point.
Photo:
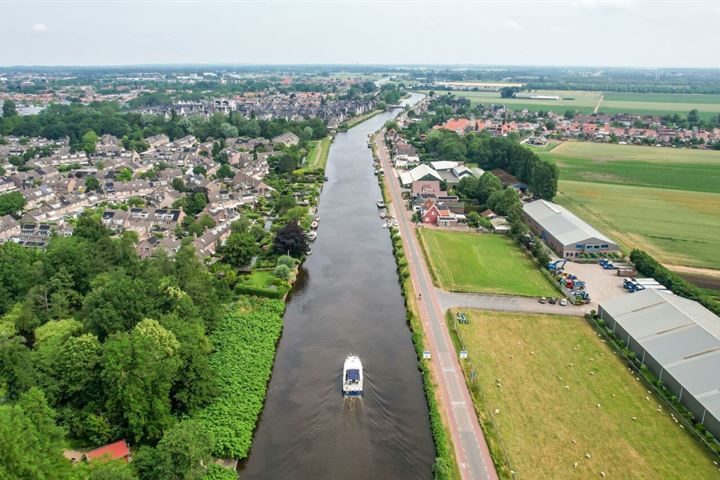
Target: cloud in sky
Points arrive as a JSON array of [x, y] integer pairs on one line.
[[606, 5], [512, 25], [39, 28]]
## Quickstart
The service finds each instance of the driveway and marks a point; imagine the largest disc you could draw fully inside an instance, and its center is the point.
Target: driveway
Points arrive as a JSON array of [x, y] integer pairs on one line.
[[506, 303]]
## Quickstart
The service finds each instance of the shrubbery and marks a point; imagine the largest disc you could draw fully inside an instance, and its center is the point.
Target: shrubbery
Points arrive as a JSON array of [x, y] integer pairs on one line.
[[649, 267], [244, 342]]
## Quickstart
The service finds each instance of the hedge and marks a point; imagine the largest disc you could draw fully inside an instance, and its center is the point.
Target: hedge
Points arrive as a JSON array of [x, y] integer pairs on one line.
[[648, 266]]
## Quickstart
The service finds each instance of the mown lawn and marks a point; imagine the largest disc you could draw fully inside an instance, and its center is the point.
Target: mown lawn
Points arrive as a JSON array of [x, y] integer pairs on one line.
[[563, 395], [675, 226], [486, 263], [317, 157], [582, 101]]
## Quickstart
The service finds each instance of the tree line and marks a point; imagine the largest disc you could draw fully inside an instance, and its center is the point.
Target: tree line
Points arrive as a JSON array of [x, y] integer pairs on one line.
[[76, 121], [106, 344]]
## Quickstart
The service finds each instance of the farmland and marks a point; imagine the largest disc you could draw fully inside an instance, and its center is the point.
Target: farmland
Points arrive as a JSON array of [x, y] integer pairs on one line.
[[663, 200], [680, 169], [557, 396], [469, 262], [582, 101], [610, 102], [675, 226]]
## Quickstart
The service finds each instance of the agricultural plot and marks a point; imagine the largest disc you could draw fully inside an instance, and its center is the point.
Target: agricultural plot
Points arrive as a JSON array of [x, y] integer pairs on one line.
[[584, 102], [673, 168], [677, 227], [565, 406], [469, 262], [661, 103]]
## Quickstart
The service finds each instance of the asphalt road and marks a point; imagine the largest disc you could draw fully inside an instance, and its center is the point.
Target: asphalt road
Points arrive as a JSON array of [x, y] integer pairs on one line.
[[507, 303], [471, 449]]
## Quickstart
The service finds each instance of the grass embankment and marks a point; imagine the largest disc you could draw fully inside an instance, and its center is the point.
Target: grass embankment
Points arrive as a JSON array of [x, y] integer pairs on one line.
[[244, 349], [317, 157], [558, 396], [445, 467], [355, 121], [485, 263]]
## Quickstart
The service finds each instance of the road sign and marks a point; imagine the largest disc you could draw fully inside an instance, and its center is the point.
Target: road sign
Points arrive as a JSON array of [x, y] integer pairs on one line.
[[463, 353], [426, 355]]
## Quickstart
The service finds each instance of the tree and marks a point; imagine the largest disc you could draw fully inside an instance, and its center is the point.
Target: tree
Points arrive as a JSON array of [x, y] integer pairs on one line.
[[92, 184], [239, 249], [508, 92], [225, 171], [138, 369], [31, 441], [285, 203], [544, 179], [184, 453], [199, 170], [178, 184], [124, 175], [89, 141], [9, 109], [693, 117], [290, 240], [11, 203]]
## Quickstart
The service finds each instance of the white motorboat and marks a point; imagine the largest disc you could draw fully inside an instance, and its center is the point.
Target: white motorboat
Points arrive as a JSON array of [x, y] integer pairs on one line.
[[352, 377], [312, 235], [383, 214], [314, 224], [380, 204]]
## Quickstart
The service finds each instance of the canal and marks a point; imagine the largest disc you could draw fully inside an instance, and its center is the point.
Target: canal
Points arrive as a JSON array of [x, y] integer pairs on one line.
[[347, 301]]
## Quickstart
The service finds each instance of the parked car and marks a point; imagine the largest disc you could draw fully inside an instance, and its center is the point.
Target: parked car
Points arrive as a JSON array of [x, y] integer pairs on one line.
[[563, 302], [542, 300], [552, 301]]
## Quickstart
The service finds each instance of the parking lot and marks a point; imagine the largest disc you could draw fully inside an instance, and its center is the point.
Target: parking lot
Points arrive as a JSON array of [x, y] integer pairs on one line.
[[599, 283]]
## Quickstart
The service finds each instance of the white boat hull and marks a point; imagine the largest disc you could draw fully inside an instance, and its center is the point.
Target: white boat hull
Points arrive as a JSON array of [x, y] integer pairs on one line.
[[353, 377]]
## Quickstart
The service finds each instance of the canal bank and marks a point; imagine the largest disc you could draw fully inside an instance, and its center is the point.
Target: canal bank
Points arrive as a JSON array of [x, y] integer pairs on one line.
[[349, 301]]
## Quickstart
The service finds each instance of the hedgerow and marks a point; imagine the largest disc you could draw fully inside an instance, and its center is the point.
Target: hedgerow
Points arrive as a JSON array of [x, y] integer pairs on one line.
[[244, 344]]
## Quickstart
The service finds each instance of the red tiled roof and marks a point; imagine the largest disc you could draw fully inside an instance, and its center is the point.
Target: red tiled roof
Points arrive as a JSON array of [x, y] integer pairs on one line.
[[114, 451]]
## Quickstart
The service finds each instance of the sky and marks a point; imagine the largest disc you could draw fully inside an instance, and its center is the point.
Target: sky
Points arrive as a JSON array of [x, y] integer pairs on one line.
[[636, 33]]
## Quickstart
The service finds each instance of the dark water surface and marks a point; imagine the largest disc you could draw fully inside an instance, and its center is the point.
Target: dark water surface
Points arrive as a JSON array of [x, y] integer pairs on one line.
[[348, 301]]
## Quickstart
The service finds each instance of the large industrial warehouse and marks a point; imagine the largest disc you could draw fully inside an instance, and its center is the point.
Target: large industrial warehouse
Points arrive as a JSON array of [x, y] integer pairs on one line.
[[564, 232], [679, 341]]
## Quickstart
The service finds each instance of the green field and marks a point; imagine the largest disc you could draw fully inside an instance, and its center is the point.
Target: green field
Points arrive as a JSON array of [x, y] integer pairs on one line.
[[470, 262], [317, 157], [582, 101], [612, 102], [675, 168], [676, 227], [561, 394], [675, 218]]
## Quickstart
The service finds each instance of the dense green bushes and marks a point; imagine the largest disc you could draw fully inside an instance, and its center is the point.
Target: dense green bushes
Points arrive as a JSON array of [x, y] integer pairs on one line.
[[244, 342], [649, 267]]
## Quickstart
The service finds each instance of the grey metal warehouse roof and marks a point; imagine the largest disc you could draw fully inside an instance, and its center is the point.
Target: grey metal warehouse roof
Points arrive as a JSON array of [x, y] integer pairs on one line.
[[561, 224], [682, 335]]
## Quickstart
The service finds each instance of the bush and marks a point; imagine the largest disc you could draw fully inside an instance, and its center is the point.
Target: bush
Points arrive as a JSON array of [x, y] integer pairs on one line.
[[286, 260], [283, 271], [244, 343]]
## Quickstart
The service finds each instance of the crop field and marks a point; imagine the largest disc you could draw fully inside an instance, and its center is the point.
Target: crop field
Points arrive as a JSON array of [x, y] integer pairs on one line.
[[673, 168], [661, 103], [564, 406], [470, 262], [611, 102], [582, 101], [677, 227]]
